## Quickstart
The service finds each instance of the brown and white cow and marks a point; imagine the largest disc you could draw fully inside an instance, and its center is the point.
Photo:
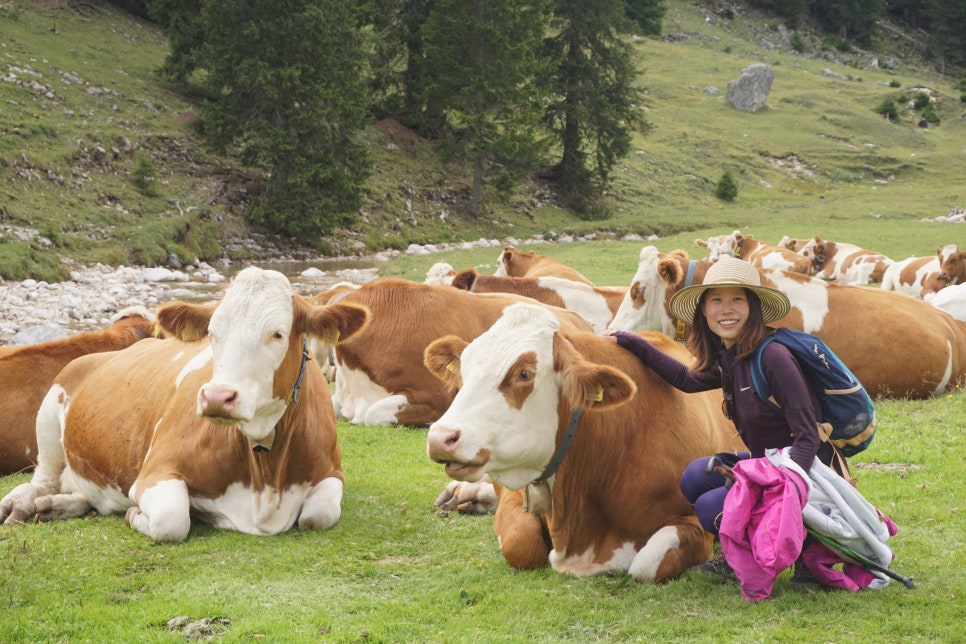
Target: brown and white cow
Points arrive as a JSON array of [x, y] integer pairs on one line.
[[896, 345], [758, 253], [380, 375], [844, 263], [231, 424], [616, 504], [515, 263], [920, 276], [596, 304], [27, 371]]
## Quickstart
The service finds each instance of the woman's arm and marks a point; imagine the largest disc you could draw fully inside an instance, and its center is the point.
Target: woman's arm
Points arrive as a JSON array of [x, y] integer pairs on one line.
[[676, 373]]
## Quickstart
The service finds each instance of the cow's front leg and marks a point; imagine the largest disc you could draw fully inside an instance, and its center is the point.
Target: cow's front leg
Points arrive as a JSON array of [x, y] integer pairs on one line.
[[672, 550], [162, 512], [323, 505], [524, 538]]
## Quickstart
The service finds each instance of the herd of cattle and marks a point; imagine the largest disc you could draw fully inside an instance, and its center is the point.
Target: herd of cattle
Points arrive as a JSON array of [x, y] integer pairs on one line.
[[221, 413]]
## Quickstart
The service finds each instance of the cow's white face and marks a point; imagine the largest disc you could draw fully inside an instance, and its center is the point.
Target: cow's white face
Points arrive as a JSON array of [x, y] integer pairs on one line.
[[810, 249], [722, 245], [503, 421], [250, 332], [643, 306], [440, 273]]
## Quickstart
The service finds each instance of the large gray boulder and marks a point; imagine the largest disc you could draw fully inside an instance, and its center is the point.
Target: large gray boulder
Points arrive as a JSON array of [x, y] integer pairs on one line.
[[750, 92]]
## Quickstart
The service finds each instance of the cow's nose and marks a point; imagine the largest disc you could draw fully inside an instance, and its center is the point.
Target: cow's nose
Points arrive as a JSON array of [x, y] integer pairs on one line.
[[218, 402], [442, 443]]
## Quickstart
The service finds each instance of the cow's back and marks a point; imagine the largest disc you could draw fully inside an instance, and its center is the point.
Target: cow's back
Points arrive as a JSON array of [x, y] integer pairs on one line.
[[406, 318], [896, 345]]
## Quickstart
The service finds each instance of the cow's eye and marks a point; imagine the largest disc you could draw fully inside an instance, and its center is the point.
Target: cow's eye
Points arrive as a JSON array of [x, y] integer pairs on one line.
[[278, 335], [525, 375]]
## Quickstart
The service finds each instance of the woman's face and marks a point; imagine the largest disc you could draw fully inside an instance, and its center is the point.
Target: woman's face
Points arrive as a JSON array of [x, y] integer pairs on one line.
[[726, 310]]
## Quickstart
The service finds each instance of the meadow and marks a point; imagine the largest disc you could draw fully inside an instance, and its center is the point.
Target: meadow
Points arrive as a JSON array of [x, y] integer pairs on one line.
[[394, 569]]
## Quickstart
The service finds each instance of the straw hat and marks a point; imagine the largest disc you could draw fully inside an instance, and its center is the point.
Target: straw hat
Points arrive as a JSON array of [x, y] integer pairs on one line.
[[726, 272]]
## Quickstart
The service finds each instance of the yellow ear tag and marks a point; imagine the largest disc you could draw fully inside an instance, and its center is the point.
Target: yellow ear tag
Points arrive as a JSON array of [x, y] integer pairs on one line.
[[189, 334], [600, 394], [679, 328], [156, 331], [333, 336], [453, 366]]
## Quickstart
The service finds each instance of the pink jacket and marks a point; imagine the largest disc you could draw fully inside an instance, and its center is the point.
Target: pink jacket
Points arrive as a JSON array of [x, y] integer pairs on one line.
[[762, 531]]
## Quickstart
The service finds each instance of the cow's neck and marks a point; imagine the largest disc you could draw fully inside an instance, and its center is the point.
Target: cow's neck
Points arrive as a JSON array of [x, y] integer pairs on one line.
[[537, 498]]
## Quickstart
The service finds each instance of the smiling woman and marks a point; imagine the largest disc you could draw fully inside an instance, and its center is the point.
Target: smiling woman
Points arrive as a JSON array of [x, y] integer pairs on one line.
[[729, 312]]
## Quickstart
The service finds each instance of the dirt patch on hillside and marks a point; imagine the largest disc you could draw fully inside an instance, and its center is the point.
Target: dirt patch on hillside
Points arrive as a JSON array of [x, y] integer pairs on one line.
[[399, 134]]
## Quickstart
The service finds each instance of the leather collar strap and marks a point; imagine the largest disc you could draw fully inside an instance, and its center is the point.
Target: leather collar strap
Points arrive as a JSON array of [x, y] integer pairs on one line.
[[562, 449], [294, 398]]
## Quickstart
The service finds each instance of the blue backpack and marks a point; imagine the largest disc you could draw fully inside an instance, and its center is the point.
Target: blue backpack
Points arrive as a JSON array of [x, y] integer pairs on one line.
[[846, 405]]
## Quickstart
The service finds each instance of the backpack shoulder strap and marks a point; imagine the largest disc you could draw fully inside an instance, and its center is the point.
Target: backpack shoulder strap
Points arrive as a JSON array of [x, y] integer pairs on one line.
[[758, 380]]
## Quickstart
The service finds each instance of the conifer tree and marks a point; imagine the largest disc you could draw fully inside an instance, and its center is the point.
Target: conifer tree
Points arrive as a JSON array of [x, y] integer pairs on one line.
[[287, 93], [595, 107], [483, 70]]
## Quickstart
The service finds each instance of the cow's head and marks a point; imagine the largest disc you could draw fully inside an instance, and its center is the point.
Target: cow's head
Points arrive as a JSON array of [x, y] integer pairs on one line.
[[794, 245], [952, 264], [715, 247], [256, 346], [643, 307], [440, 273], [814, 250], [513, 263], [517, 382]]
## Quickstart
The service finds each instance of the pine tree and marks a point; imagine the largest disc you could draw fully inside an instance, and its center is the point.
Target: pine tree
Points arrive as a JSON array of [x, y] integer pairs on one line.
[[287, 92], [483, 71], [595, 110]]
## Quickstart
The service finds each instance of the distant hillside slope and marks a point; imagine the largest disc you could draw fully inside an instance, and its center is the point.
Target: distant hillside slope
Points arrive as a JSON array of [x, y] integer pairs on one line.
[[103, 162]]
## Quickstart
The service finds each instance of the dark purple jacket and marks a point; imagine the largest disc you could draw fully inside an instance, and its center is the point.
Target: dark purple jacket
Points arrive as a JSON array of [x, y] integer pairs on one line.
[[758, 424]]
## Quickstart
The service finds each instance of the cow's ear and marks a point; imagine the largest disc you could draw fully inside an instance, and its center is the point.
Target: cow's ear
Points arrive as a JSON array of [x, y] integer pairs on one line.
[[593, 386], [670, 271], [334, 323], [703, 243], [508, 255], [187, 322], [442, 358], [464, 279]]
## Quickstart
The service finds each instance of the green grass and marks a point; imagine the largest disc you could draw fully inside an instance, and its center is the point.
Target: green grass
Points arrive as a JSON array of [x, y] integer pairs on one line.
[[393, 570]]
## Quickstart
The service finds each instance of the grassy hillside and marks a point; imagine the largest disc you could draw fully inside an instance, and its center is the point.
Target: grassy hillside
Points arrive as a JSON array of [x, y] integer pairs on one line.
[[100, 161]]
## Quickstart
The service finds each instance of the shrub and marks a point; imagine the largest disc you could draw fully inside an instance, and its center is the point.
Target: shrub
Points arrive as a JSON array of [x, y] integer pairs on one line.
[[895, 83], [930, 115], [920, 100], [887, 108], [797, 42], [726, 188], [143, 175]]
